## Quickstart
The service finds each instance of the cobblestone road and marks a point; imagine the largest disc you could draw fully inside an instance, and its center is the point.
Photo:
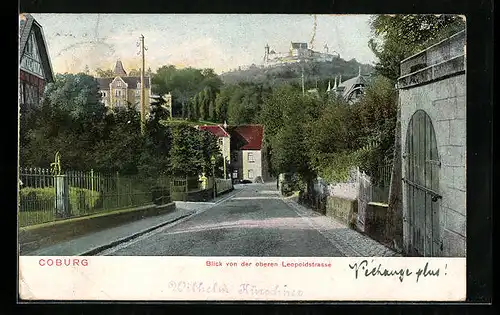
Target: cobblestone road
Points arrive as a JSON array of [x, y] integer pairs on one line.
[[255, 221]]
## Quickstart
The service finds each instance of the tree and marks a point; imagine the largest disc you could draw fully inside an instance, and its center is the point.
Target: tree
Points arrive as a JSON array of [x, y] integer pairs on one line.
[[135, 73], [154, 158], [191, 150], [222, 102], [120, 151], [70, 120], [108, 73], [396, 37], [202, 104]]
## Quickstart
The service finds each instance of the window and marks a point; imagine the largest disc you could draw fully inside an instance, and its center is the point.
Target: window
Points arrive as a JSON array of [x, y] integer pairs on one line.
[[138, 93], [118, 93], [235, 174], [250, 174], [29, 46], [250, 158], [118, 103], [119, 83], [220, 142], [138, 85]]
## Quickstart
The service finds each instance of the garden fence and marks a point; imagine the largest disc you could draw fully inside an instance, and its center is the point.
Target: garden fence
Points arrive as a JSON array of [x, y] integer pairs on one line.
[[44, 197]]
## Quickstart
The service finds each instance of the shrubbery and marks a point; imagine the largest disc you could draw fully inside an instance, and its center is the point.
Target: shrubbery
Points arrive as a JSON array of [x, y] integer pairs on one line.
[[43, 199]]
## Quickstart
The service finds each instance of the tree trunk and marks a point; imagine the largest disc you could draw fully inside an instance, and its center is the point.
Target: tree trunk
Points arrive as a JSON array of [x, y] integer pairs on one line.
[[394, 219]]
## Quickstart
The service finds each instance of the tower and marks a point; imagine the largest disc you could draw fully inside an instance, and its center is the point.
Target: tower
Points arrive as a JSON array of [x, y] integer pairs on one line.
[[119, 70]]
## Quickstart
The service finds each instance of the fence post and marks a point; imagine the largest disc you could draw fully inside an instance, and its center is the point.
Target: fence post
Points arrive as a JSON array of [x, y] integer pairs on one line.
[[62, 196], [118, 204]]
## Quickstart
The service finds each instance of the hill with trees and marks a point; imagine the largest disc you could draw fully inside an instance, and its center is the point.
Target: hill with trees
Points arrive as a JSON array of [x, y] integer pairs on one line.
[[315, 73]]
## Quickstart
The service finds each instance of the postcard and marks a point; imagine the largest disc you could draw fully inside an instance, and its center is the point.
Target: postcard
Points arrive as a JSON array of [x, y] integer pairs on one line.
[[242, 157]]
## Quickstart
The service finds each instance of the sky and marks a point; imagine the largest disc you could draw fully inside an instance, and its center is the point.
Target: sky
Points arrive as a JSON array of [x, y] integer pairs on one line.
[[218, 41]]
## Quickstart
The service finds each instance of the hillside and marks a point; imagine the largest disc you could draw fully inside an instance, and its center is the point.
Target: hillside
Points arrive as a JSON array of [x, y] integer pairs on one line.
[[314, 73]]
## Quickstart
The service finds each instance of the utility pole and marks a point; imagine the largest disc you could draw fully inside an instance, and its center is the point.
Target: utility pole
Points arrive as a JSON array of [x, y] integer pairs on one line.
[[143, 96]]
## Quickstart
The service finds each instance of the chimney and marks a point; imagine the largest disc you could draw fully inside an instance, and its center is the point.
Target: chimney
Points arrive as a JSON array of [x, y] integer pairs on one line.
[[225, 125], [119, 70]]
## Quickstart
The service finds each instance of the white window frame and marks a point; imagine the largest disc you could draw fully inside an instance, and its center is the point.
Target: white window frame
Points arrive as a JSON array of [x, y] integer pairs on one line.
[[251, 158], [119, 83], [250, 174]]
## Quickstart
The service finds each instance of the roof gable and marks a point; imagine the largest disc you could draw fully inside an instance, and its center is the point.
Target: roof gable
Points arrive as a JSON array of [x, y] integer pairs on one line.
[[217, 130], [247, 137], [351, 84], [31, 37], [119, 79]]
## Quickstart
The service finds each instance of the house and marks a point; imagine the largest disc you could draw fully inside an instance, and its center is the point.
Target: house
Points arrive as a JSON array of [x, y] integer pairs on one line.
[[248, 156], [350, 90], [35, 69], [121, 90], [223, 139]]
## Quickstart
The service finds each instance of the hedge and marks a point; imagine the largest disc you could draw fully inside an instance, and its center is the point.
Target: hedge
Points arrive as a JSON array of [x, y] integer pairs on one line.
[[42, 199]]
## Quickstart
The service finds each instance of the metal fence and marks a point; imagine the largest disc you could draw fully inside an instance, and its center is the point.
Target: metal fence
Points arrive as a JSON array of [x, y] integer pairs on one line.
[[85, 193], [223, 185], [381, 183]]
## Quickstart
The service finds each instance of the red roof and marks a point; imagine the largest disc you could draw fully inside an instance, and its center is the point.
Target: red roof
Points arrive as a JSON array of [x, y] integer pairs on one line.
[[218, 131], [251, 135]]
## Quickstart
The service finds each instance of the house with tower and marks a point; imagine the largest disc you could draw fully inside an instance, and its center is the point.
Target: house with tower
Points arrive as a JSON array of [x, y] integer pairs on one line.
[[122, 90]]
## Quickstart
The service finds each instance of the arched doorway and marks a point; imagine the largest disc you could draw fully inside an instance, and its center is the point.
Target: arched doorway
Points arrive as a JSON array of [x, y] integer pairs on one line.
[[422, 166]]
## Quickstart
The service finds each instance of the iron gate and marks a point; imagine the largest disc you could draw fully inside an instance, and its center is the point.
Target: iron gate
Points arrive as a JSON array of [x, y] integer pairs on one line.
[[422, 185]]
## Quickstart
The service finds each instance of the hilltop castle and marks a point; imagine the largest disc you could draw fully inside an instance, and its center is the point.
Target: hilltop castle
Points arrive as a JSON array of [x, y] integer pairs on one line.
[[297, 52]]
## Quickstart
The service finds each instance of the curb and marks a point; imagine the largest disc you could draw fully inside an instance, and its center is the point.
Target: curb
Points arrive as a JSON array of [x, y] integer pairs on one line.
[[99, 249]]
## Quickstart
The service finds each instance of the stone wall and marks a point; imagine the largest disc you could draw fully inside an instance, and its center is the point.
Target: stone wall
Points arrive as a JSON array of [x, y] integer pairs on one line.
[[343, 209], [439, 88]]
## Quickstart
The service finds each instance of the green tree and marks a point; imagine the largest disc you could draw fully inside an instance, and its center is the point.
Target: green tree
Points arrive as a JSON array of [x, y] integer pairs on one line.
[[70, 120], [120, 151], [396, 37], [135, 73], [191, 150], [154, 158], [222, 102], [108, 73], [376, 116]]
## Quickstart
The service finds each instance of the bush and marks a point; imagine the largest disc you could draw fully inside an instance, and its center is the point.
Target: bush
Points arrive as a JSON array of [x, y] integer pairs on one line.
[[82, 199], [36, 199], [42, 199]]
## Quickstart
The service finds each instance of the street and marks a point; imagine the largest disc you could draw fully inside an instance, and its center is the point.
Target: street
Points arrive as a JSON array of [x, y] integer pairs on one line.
[[252, 222]]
